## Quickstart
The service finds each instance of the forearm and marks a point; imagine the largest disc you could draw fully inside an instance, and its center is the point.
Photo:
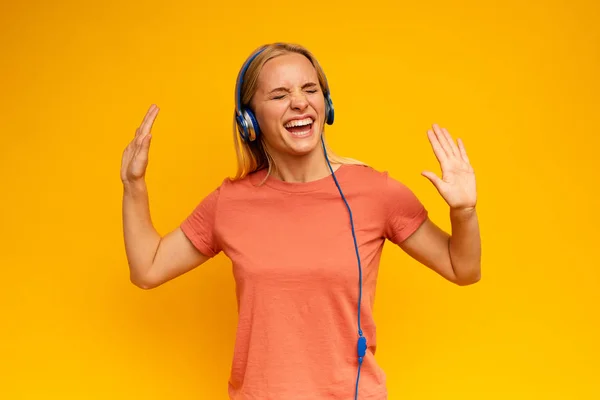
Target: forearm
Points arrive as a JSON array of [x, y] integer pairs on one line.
[[141, 238], [465, 245]]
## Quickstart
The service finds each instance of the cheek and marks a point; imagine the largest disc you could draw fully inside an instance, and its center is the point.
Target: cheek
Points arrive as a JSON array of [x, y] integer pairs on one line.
[[269, 119], [271, 114], [319, 106]]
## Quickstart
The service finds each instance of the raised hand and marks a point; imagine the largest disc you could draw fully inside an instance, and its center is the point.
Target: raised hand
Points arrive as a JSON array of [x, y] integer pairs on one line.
[[457, 185], [135, 155]]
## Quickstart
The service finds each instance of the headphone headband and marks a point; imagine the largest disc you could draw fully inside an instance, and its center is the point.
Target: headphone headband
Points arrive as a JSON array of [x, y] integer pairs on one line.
[[240, 79]]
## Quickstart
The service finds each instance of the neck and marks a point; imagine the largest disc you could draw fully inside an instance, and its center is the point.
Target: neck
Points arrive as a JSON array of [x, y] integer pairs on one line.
[[306, 168]]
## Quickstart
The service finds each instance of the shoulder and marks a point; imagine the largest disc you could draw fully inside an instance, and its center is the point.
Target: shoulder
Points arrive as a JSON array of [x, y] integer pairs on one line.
[[368, 175], [231, 188], [362, 172], [386, 188]]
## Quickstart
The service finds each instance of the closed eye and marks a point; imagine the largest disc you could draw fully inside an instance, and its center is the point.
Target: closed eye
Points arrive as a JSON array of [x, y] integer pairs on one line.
[[310, 87], [283, 95]]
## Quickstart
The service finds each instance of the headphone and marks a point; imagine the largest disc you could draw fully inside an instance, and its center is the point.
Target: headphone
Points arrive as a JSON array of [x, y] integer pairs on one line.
[[247, 123], [250, 131]]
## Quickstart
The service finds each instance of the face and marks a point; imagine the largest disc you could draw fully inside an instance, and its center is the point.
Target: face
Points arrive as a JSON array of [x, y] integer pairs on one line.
[[289, 105]]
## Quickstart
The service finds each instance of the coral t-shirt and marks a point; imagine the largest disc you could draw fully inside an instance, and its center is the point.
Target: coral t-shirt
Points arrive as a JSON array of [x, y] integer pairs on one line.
[[296, 275]]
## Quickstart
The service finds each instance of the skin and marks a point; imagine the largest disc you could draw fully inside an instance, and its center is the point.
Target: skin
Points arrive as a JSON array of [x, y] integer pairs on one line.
[[288, 87], [456, 257], [154, 260]]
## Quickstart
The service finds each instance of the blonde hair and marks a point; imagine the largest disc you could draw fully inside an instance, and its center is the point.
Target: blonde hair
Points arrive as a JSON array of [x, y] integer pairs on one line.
[[253, 156]]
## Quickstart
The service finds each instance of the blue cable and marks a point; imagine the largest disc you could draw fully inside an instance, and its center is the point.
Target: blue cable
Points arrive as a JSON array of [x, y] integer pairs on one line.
[[362, 341]]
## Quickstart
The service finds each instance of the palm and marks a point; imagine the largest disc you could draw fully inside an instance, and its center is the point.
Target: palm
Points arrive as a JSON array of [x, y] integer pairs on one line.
[[457, 185]]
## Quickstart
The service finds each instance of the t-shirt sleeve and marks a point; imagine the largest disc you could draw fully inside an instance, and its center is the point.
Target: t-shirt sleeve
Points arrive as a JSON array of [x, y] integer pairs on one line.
[[404, 211], [199, 226]]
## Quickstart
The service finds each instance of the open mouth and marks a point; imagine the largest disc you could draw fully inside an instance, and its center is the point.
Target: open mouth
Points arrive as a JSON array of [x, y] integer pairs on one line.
[[300, 127]]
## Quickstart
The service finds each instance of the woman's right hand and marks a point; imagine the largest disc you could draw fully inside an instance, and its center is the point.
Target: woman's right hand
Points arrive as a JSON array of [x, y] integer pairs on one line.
[[135, 155]]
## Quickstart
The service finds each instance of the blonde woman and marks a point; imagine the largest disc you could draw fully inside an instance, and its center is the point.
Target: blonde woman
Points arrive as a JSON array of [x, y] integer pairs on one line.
[[304, 229]]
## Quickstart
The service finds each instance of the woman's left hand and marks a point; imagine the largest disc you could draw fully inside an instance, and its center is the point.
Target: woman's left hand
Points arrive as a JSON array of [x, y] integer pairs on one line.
[[457, 185]]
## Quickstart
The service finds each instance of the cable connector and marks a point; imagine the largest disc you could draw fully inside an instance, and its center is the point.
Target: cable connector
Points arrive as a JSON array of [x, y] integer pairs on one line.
[[362, 348]]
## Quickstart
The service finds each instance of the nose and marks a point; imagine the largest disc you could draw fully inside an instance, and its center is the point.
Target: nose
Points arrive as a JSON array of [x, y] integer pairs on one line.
[[298, 101]]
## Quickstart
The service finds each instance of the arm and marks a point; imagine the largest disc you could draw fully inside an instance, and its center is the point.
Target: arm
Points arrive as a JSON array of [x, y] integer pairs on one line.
[[458, 257], [465, 246], [153, 260]]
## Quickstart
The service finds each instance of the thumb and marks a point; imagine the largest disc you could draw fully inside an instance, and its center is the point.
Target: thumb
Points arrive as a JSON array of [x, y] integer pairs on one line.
[[432, 177], [142, 153], [146, 144]]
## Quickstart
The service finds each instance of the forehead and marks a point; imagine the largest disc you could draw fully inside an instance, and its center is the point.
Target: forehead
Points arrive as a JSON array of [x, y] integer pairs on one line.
[[286, 70]]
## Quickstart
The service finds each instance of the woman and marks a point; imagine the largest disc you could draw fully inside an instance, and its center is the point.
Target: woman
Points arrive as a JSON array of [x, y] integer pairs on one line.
[[304, 229]]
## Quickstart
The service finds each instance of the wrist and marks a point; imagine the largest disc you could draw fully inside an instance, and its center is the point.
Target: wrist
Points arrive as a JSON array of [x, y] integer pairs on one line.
[[464, 212], [139, 185]]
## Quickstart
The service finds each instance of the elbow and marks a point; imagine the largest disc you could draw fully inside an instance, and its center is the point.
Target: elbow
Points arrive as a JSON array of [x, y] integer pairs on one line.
[[142, 282], [467, 274], [468, 280]]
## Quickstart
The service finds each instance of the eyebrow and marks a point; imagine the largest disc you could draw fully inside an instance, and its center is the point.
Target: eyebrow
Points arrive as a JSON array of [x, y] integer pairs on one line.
[[281, 88]]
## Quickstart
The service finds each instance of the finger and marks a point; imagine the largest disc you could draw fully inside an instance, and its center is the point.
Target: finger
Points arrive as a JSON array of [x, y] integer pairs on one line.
[[125, 154], [437, 147], [141, 157], [463, 151], [149, 121], [144, 148], [138, 131], [146, 127], [433, 178], [443, 140], [130, 148], [139, 128], [148, 113], [450, 140]]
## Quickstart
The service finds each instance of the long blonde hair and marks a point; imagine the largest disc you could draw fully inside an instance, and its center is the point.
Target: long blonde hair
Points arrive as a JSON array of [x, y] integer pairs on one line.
[[253, 156]]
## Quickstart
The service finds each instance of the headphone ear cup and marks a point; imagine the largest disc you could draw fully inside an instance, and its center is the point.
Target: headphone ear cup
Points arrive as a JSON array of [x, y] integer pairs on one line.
[[247, 126], [329, 109], [253, 126], [242, 125]]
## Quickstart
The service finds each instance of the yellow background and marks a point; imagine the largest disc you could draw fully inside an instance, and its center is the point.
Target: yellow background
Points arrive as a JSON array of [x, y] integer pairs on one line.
[[519, 83]]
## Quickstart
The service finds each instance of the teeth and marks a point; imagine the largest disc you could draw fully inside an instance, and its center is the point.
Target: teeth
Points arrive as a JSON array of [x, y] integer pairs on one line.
[[301, 134], [299, 122]]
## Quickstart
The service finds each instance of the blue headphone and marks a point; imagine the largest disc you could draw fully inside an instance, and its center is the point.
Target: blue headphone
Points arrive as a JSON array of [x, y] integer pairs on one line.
[[247, 123], [250, 131]]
